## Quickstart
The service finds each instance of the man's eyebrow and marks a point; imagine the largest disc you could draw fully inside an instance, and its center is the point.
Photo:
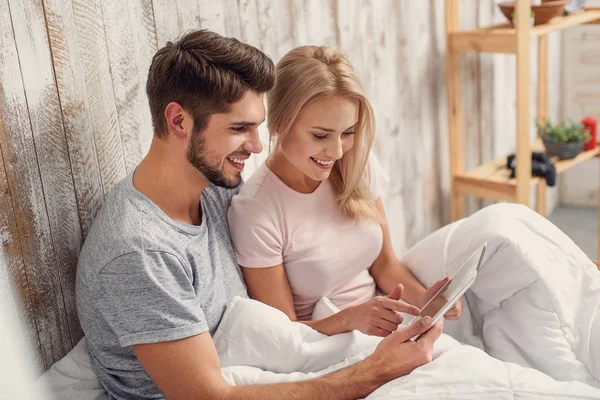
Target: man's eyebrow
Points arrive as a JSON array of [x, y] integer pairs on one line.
[[247, 123]]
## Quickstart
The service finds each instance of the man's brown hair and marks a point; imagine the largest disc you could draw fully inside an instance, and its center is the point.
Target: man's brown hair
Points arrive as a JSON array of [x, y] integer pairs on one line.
[[204, 72]]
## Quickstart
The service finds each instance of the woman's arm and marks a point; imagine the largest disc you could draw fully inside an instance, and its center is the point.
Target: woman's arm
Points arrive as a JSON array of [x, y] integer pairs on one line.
[[271, 286], [378, 316], [388, 271]]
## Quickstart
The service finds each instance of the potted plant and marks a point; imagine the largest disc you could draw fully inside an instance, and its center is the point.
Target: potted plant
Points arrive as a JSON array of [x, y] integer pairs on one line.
[[564, 140], [531, 18]]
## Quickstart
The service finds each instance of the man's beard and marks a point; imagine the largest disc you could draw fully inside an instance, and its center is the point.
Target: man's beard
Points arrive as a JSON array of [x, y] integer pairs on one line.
[[198, 156]]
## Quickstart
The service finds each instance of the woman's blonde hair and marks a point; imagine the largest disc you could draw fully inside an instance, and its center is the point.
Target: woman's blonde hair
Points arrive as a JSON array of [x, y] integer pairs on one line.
[[308, 73]]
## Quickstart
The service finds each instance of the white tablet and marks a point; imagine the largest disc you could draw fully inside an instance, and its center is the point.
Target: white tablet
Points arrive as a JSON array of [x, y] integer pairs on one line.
[[461, 280]]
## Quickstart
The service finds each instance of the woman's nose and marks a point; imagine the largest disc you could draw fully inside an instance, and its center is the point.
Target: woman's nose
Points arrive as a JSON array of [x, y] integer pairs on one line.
[[335, 150]]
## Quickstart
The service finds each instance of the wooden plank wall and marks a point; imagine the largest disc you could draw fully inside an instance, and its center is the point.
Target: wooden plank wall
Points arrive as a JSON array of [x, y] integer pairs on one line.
[[74, 117]]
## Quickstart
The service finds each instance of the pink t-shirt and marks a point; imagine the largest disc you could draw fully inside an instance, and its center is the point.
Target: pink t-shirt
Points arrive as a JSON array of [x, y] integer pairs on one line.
[[323, 253]]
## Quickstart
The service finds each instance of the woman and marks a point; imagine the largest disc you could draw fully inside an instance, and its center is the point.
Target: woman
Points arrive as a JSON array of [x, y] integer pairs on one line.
[[310, 222]]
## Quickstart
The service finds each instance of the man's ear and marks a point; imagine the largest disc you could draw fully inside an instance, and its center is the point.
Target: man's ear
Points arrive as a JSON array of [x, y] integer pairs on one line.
[[179, 122]]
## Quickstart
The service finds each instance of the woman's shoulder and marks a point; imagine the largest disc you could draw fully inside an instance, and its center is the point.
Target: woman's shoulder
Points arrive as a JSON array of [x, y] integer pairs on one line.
[[258, 192], [255, 204], [255, 185]]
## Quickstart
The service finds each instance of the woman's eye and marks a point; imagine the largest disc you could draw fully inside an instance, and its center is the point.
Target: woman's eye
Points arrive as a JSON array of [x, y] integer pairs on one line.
[[319, 137], [349, 133]]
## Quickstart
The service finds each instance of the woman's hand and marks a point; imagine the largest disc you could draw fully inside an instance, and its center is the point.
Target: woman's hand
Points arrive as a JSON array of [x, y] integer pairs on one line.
[[454, 313], [380, 315]]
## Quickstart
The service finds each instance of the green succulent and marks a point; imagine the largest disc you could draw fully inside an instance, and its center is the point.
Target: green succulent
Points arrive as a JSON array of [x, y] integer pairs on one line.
[[514, 14], [563, 132]]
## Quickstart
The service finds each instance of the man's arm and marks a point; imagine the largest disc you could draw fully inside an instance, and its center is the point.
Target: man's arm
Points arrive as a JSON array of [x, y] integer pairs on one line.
[[190, 369]]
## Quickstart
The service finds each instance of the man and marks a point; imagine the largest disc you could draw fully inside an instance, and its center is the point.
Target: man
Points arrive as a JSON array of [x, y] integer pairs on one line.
[[158, 269]]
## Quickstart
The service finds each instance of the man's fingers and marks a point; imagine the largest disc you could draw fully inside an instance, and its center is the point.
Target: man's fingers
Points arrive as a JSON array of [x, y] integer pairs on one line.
[[397, 292], [432, 334], [400, 306], [404, 333]]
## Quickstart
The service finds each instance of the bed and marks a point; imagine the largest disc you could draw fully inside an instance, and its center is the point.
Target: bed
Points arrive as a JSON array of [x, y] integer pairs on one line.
[[531, 327]]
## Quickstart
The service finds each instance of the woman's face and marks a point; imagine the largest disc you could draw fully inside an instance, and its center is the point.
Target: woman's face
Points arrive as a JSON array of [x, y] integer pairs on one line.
[[322, 133]]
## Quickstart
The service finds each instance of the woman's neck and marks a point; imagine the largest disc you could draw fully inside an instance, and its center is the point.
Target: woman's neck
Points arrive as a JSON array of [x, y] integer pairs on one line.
[[290, 175]]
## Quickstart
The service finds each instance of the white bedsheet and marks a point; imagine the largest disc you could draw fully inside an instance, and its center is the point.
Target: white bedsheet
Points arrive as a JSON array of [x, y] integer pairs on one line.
[[534, 308], [259, 345]]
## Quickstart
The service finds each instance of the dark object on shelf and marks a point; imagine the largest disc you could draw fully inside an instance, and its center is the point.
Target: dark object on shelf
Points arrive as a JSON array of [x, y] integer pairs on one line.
[[540, 166]]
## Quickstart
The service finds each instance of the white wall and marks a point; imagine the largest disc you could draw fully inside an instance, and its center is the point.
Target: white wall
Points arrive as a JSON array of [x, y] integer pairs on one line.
[[581, 97]]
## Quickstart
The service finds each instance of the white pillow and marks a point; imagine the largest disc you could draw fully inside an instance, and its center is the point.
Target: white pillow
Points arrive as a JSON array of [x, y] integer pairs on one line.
[[72, 377]]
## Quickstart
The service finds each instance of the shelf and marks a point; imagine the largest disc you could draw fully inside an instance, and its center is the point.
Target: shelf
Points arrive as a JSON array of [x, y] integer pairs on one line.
[[503, 38], [492, 180]]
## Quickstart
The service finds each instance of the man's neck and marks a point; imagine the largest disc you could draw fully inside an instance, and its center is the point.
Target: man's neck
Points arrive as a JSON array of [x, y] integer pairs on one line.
[[172, 184]]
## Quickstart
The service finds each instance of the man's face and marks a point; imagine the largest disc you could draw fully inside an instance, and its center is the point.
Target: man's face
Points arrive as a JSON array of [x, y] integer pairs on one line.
[[220, 151]]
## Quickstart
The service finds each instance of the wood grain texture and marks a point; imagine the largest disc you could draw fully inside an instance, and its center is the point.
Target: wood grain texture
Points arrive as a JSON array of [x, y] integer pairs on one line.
[[125, 77], [581, 88], [92, 42], [26, 190], [76, 113], [454, 92], [472, 105], [141, 16], [13, 274], [523, 168], [50, 147], [485, 17], [166, 21], [232, 20], [212, 15]]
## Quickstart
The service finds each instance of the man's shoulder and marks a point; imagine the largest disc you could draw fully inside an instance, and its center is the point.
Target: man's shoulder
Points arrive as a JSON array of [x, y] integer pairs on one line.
[[118, 228], [219, 197]]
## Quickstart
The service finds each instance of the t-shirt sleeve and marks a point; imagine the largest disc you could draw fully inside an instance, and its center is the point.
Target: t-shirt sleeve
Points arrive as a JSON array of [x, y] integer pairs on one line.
[[225, 194], [376, 178], [149, 298], [257, 239]]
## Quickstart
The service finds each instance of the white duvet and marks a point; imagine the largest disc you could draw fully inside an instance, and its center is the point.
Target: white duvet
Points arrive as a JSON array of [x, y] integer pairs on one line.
[[531, 322]]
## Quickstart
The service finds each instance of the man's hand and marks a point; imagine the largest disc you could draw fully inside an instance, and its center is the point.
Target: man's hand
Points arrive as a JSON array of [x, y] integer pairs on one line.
[[397, 355], [190, 369], [378, 316]]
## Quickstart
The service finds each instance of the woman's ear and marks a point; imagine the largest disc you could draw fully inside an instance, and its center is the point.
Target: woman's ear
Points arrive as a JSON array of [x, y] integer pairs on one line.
[[179, 122]]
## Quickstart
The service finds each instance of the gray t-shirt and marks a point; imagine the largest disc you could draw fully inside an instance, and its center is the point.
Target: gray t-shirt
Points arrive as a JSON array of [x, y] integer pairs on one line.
[[145, 278]]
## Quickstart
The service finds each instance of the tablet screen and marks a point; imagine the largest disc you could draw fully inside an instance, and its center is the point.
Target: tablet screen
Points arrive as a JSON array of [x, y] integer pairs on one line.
[[459, 279]]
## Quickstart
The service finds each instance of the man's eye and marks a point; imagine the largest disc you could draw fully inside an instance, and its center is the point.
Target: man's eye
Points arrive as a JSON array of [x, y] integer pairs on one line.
[[238, 128]]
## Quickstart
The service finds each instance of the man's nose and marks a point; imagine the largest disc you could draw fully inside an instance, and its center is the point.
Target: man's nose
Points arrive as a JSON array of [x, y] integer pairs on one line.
[[253, 143]]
